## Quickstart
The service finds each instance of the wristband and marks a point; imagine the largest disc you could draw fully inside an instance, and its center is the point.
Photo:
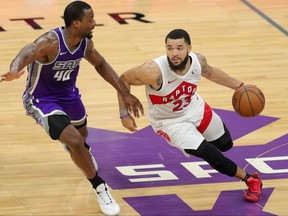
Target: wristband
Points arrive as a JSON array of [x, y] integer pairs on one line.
[[124, 116]]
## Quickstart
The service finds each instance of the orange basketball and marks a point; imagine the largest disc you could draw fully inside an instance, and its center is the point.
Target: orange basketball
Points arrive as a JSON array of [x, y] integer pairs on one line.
[[248, 101]]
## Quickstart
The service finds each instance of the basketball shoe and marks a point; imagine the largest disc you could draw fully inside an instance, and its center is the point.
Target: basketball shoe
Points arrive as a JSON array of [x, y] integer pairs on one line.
[[254, 191], [106, 202]]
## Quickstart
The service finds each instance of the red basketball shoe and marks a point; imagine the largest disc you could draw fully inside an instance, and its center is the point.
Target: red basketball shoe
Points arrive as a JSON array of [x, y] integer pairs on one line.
[[254, 191]]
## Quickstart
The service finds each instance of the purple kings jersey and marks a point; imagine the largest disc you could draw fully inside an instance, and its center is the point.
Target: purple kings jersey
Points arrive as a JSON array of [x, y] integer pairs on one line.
[[56, 80]]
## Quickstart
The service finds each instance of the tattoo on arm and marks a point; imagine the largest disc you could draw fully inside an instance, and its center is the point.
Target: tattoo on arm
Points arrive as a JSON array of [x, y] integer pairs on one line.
[[204, 65], [159, 81]]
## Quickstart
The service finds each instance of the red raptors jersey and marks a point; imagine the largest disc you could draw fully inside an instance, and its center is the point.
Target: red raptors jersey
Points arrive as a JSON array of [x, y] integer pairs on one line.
[[177, 96]]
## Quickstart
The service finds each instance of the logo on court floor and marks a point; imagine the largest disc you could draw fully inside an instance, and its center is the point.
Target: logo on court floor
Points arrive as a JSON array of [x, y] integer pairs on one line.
[[144, 160]]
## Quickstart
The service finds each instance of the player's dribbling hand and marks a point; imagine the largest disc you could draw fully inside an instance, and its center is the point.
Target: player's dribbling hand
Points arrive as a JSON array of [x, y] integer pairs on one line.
[[129, 123], [9, 76]]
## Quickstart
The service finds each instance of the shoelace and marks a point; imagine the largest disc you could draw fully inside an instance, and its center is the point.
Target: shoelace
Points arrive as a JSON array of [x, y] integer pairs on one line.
[[108, 199]]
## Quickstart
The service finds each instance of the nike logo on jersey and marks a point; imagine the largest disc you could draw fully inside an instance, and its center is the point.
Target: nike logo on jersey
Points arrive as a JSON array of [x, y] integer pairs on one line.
[[63, 53], [170, 81]]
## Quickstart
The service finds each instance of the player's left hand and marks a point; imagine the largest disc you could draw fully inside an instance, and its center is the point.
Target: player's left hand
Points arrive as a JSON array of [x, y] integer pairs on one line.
[[9, 76]]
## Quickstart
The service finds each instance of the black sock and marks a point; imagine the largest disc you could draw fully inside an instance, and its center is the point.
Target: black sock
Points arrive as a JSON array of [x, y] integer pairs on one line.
[[246, 177], [96, 181]]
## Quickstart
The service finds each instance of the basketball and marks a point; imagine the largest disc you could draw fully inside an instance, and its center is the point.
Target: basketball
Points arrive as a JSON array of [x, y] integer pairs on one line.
[[248, 101]]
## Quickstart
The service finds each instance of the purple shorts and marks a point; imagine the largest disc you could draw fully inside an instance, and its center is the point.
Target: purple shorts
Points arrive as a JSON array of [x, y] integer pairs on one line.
[[40, 110]]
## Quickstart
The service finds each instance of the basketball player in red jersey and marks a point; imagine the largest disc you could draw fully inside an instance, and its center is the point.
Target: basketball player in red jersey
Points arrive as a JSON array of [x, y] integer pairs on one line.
[[178, 113]]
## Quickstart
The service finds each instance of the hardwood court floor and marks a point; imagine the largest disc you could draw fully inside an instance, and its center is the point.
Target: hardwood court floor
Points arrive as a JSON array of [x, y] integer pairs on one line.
[[247, 39]]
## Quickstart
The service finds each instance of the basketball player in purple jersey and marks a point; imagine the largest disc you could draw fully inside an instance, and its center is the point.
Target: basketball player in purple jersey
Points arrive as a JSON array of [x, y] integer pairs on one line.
[[52, 97], [178, 113]]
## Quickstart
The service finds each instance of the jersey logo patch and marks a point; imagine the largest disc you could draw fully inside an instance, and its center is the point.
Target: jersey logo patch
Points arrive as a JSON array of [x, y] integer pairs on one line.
[[184, 88]]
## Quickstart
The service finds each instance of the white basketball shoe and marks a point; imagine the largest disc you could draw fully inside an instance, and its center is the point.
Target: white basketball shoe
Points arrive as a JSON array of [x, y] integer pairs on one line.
[[106, 202]]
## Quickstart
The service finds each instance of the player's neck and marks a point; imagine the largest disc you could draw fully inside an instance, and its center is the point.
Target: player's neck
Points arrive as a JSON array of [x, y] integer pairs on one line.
[[71, 39]]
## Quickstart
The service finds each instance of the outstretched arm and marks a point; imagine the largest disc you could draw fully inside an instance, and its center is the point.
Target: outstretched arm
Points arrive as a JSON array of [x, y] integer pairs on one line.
[[41, 50], [217, 75], [21, 60]]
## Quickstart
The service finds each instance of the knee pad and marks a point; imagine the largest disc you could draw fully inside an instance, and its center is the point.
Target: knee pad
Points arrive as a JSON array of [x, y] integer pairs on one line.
[[215, 158], [223, 143], [57, 123]]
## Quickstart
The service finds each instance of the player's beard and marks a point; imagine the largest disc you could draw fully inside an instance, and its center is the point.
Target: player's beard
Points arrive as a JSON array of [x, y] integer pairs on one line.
[[181, 66], [89, 35]]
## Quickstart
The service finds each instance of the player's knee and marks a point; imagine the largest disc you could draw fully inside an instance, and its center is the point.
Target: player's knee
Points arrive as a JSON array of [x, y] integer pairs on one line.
[[77, 147], [227, 146], [66, 147], [75, 144], [223, 143], [59, 129]]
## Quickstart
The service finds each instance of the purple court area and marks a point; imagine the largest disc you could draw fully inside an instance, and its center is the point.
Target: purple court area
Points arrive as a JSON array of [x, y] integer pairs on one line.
[[143, 160]]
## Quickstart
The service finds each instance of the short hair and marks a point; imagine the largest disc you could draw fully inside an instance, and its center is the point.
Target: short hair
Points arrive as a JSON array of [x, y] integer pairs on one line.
[[178, 34], [74, 11]]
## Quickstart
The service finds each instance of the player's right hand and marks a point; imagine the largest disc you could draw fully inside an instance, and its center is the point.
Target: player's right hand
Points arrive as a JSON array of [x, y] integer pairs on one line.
[[9, 76], [133, 105]]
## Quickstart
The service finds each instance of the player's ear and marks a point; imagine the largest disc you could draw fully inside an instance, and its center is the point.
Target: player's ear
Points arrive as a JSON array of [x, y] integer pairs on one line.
[[76, 23]]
